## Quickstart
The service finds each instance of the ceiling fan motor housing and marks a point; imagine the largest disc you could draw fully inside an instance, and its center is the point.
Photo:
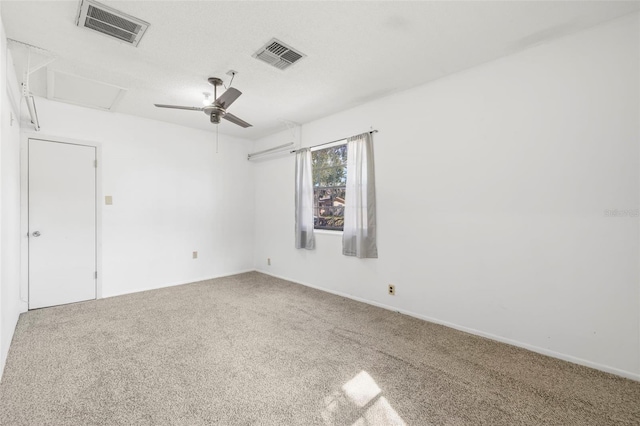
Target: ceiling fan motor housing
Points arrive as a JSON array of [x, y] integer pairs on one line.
[[214, 112]]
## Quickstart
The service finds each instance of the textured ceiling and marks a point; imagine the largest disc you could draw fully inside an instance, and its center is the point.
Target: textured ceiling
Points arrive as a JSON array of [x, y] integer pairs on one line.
[[356, 51]]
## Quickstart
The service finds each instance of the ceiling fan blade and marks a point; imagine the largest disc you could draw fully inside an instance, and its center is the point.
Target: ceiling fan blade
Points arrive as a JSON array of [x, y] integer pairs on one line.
[[235, 120], [179, 107], [228, 97]]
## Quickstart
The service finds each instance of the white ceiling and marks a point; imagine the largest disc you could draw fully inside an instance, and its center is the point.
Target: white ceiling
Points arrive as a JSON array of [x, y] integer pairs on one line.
[[356, 51]]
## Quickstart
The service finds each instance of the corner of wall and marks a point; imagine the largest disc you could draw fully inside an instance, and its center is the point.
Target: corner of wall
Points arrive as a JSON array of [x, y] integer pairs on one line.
[[11, 304]]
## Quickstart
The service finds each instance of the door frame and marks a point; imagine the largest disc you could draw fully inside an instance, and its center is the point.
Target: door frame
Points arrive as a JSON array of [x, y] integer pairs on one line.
[[24, 208]]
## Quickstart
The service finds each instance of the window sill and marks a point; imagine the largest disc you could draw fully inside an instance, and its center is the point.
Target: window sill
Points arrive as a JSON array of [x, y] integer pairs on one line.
[[327, 232]]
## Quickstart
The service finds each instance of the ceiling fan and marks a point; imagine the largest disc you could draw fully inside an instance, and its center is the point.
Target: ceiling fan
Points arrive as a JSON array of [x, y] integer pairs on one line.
[[218, 108]]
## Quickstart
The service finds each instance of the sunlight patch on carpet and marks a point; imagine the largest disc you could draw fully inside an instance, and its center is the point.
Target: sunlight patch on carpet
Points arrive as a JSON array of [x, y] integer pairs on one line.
[[360, 403]]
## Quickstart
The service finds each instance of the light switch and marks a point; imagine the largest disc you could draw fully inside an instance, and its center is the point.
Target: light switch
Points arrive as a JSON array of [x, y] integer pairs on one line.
[[195, 255], [108, 200]]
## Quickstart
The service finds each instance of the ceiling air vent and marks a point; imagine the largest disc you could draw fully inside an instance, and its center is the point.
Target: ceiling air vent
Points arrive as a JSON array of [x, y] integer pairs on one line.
[[111, 22], [278, 54]]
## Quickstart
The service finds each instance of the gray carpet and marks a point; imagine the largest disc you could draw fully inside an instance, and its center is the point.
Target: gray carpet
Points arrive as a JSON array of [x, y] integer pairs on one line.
[[252, 349]]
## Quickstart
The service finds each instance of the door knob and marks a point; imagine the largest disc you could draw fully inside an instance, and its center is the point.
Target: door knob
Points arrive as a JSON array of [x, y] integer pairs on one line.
[[36, 234]]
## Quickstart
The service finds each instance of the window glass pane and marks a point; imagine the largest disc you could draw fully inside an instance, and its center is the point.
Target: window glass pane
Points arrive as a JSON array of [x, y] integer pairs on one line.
[[329, 179], [330, 176], [341, 154], [331, 196]]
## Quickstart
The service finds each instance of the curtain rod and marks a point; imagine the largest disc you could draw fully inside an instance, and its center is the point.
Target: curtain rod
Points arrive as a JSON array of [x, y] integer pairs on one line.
[[327, 143], [266, 151]]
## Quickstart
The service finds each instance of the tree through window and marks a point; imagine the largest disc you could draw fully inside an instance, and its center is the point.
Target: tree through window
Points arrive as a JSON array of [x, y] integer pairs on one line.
[[329, 167]]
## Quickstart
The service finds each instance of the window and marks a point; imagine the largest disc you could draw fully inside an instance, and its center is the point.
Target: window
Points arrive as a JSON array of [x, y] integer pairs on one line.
[[329, 167]]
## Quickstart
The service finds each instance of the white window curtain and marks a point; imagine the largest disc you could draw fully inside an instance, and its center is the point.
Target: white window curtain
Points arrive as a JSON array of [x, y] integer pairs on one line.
[[304, 200], [359, 235]]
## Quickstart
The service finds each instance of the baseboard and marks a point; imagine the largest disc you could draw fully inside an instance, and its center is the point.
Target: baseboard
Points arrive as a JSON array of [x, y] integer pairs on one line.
[[195, 280], [533, 348]]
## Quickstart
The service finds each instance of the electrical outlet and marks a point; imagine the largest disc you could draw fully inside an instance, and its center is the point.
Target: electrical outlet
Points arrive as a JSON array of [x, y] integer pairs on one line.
[[195, 255], [108, 200], [269, 261], [392, 289]]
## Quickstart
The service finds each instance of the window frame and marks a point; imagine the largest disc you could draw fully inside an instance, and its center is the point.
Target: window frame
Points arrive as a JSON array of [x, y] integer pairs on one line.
[[326, 229]]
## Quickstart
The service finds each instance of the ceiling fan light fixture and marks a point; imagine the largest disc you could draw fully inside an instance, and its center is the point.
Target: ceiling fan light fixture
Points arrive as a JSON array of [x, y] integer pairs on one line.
[[206, 101]]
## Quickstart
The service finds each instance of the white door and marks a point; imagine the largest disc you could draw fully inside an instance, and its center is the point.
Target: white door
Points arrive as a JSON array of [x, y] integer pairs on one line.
[[62, 223]]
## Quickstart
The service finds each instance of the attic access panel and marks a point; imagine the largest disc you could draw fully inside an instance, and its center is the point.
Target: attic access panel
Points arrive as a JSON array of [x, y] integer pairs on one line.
[[72, 89], [111, 22]]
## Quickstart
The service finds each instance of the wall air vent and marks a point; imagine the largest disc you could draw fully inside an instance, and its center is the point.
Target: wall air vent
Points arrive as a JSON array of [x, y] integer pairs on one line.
[[110, 22], [278, 54]]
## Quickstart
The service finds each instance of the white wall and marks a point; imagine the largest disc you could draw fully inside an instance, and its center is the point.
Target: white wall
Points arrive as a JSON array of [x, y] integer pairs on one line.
[[3, 59], [9, 201], [492, 186], [172, 195]]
